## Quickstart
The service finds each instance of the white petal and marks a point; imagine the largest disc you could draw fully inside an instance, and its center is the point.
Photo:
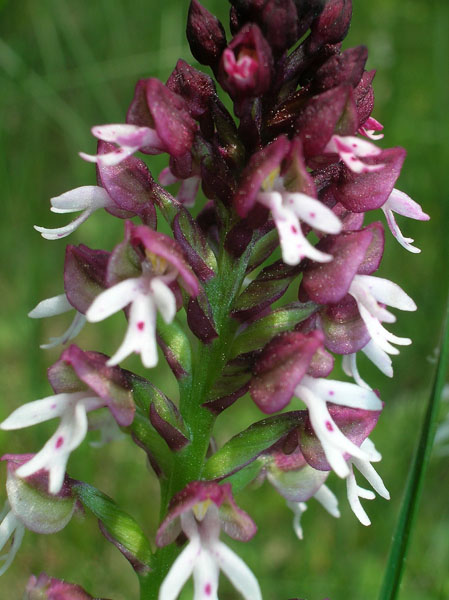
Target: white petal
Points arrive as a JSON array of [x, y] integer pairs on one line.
[[313, 212], [371, 475], [237, 572], [57, 305], [394, 228], [205, 576], [342, 393], [140, 336], [379, 334], [79, 320], [10, 526], [111, 158], [379, 358], [353, 492], [164, 299], [349, 365], [332, 440], [41, 410], [328, 500], [298, 509], [180, 571], [114, 299], [61, 232], [402, 204], [86, 196], [55, 453], [386, 292]]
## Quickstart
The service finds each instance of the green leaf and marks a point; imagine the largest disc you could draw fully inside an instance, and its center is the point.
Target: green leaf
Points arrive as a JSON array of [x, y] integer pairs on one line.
[[404, 527], [119, 526], [260, 332], [244, 477], [249, 444]]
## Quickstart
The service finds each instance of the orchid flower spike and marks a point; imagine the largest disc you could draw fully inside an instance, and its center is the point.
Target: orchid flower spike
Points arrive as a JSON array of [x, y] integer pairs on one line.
[[58, 305], [315, 393], [87, 198], [400, 203], [196, 511], [354, 491]]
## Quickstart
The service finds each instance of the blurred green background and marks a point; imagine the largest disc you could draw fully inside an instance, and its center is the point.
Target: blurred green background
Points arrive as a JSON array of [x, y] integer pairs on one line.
[[66, 65]]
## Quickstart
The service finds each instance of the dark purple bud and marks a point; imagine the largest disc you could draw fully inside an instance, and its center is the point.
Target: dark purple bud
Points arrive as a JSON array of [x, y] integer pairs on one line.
[[173, 123], [364, 96], [281, 366], [217, 179], [246, 65], [200, 318], [205, 34], [129, 184], [328, 283], [162, 246], [279, 22], [167, 421], [343, 328], [197, 88], [84, 275], [270, 285], [360, 192], [155, 106], [319, 117], [194, 246], [375, 250], [49, 588], [356, 424], [344, 68], [77, 370], [260, 167], [332, 25]]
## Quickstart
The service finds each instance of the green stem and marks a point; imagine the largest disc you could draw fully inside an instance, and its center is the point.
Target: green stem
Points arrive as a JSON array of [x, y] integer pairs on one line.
[[208, 363], [401, 538]]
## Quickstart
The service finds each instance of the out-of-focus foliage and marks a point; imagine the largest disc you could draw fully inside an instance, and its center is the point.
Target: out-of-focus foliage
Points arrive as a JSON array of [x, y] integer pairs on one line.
[[66, 65]]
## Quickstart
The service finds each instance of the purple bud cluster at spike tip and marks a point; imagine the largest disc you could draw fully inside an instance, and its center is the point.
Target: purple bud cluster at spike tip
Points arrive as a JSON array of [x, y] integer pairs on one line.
[[280, 187]]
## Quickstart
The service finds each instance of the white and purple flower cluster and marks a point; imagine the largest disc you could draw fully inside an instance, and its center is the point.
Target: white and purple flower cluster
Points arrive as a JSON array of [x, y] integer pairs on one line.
[[297, 174]]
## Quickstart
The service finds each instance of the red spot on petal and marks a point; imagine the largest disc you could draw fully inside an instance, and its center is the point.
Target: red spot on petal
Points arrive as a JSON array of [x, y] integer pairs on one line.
[[294, 230], [312, 215], [208, 589], [53, 406], [59, 442], [354, 145], [331, 392], [329, 426], [141, 325], [354, 158]]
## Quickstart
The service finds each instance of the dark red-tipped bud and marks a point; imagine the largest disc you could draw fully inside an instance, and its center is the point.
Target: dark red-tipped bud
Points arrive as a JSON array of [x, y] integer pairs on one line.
[[206, 35], [332, 25], [247, 64]]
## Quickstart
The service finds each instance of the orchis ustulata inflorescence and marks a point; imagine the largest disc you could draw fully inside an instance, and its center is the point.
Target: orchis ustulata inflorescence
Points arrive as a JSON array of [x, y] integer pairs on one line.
[[285, 188]]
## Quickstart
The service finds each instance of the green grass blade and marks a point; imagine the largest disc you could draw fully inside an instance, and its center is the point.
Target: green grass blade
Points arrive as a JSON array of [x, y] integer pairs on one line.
[[410, 503]]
